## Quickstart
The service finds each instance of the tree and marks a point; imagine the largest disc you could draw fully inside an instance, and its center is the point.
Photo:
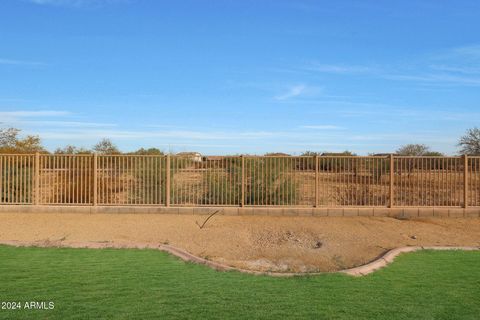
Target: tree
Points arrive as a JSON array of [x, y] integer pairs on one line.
[[69, 149], [10, 142], [276, 154], [470, 143], [149, 151], [417, 150], [345, 153], [9, 137], [310, 154], [339, 154], [433, 154], [106, 146], [29, 144]]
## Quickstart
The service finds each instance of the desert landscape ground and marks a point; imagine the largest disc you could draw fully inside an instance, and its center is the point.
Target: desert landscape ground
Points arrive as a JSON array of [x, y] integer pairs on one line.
[[282, 244]]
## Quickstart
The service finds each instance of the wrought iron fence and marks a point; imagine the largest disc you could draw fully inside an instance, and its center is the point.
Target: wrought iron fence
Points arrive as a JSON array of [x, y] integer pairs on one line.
[[318, 181]]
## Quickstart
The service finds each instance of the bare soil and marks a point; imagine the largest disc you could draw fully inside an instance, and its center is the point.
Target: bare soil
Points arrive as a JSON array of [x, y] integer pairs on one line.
[[293, 244]]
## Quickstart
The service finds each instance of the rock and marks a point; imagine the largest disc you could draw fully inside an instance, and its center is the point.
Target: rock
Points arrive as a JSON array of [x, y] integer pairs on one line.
[[318, 245]]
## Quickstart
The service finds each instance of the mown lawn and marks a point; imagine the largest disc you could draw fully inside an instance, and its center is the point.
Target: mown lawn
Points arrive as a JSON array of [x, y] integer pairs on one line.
[[148, 284]]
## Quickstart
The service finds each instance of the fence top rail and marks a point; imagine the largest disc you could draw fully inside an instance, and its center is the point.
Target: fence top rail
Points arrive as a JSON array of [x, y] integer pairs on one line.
[[65, 155], [429, 157], [234, 156], [354, 157], [211, 157], [312, 157], [288, 157], [131, 155]]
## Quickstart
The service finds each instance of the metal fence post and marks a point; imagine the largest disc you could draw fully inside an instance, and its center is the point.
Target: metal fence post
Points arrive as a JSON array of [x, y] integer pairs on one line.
[[392, 177], [465, 181], [316, 181], [1, 179], [37, 179], [242, 200], [95, 174], [167, 182]]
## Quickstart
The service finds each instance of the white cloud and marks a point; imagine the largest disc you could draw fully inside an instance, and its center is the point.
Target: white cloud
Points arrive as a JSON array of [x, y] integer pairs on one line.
[[42, 118], [68, 124], [292, 92], [298, 91], [323, 127], [339, 69], [442, 78], [456, 69], [453, 67], [20, 62], [470, 51], [76, 3], [32, 114], [171, 134]]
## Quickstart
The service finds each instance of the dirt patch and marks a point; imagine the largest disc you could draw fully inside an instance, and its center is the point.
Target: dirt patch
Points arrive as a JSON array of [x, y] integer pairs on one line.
[[287, 244]]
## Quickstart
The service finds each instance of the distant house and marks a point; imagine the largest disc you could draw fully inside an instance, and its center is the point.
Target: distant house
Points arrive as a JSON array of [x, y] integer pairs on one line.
[[194, 156]]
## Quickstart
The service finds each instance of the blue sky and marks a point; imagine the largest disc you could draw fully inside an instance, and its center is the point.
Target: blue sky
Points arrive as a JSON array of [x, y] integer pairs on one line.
[[227, 77]]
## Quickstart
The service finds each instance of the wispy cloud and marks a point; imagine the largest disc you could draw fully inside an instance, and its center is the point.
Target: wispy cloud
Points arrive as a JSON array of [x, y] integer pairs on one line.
[[470, 51], [322, 127], [298, 91], [293, 91], [20, 62], [30, 114], [456, 69], [339, 69], [46, 118], [76, 3], [457, 66], [67, 124], [173, 135], [442, 78]]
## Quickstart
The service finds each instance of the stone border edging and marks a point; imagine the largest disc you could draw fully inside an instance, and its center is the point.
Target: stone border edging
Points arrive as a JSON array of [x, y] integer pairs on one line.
[[359, 271], [363, 270], [390, 256]]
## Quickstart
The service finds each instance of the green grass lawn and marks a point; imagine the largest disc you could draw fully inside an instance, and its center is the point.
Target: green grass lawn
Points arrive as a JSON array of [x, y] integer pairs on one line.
[[148, 284]]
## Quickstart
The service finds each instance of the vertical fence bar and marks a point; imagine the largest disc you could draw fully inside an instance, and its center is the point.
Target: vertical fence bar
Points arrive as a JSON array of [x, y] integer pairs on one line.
[[392, 176], [242, 200], [465, 181], [37, 179], [167, 182], [316, 180], [95, 173], [1, 179]]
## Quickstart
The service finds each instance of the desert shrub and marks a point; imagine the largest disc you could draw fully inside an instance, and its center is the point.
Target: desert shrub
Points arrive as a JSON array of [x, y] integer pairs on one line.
[[269, 181], [223, 182], [16, 177]]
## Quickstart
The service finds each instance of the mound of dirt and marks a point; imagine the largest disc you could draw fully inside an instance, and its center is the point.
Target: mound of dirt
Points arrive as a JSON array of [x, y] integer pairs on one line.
[[287, 244], [271, 238]]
